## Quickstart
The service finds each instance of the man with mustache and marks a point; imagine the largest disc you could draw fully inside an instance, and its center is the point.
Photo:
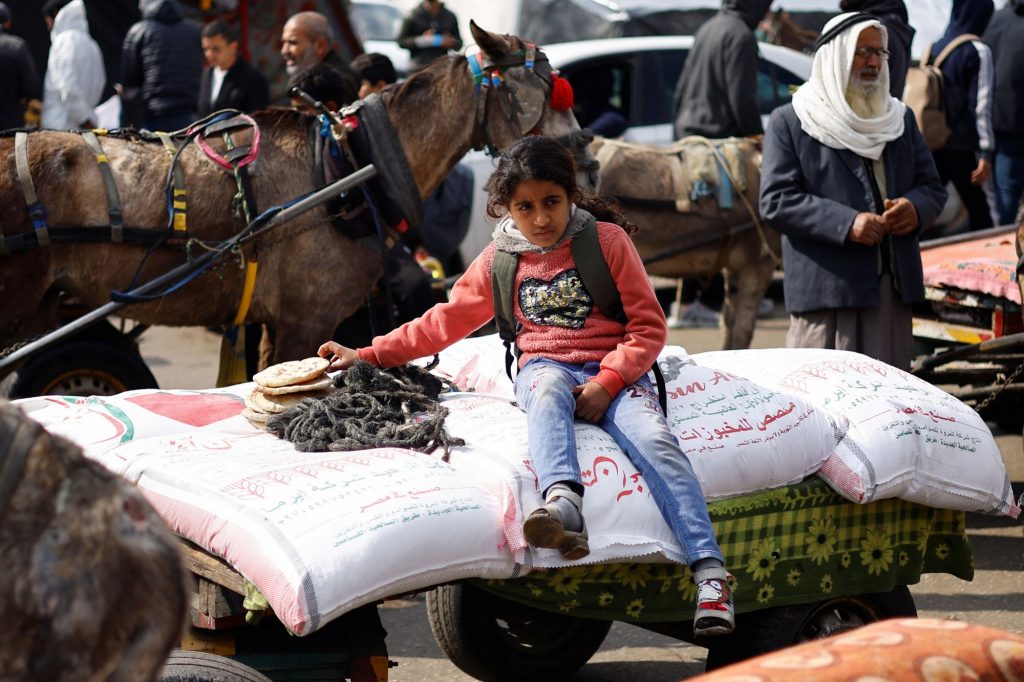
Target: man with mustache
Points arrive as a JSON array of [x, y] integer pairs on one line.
[[850, 183], [893, 15], [306, 41]]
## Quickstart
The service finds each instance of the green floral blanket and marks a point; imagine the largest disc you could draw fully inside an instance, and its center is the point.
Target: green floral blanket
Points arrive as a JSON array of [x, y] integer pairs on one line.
[[792, 545]]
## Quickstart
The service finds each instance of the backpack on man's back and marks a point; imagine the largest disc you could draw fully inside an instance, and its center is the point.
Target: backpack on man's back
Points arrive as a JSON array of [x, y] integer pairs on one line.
[[925, 93]]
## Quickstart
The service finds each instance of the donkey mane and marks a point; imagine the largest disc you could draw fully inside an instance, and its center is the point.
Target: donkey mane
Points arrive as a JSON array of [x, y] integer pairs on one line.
[[422, 83]]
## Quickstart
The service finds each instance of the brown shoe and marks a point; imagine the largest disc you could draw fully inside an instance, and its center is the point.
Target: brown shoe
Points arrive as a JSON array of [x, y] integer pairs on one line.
[[544, 527]]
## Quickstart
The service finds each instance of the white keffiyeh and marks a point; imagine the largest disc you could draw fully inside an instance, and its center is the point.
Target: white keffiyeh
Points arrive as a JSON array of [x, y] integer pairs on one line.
[[821, 103]]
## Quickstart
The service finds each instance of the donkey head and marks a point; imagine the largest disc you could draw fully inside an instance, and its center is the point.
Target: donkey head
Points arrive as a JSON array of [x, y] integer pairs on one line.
[[517, 81]]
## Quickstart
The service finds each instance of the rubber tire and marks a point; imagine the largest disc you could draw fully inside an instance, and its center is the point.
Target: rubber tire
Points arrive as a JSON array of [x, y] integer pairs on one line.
[[494, 639], [198, 666], [82, 368], [761, 632]]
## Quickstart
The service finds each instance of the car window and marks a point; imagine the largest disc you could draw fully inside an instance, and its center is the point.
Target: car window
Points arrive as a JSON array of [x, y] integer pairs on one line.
[[375, 22], [774, 86], [600, 83], [663, 68]]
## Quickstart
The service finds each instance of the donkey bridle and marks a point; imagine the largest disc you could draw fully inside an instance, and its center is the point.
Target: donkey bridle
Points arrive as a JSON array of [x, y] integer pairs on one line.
[[488, 77]]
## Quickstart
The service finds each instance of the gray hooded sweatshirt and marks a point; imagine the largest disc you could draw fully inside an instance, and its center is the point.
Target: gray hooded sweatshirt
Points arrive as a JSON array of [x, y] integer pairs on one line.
[[716, 95]]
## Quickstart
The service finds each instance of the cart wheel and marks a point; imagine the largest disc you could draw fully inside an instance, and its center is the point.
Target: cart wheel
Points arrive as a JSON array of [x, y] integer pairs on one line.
[[771, 629], [198, 666], [494, 639], [82, 368]]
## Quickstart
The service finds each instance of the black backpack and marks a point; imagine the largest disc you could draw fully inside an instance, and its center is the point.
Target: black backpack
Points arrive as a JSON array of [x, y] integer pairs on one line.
[[597, 280]]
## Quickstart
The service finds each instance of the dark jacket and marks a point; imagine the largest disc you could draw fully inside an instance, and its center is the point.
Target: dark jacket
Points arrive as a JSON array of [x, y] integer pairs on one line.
[[19, 81], [416, 24], [716, 95], [1005, 37], [967, 78], [163, 57], [352, 82], [893, 15], [811, 194], [244, 88]]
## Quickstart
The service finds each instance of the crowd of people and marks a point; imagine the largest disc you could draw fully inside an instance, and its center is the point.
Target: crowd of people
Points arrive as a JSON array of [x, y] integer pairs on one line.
[[174, 71]]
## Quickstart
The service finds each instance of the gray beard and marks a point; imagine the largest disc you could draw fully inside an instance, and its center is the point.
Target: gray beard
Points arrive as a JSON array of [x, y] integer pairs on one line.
[[308, 60], [865, 98]]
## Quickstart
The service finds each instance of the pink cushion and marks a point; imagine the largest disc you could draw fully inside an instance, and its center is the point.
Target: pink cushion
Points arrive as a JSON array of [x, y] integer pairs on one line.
[[983, 265]]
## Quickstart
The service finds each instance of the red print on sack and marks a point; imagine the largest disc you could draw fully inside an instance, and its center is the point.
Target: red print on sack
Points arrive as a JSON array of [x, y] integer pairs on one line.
[[603, 466], [195, 409]]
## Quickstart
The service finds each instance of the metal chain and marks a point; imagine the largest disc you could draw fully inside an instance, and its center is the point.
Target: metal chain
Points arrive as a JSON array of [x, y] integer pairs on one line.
[[15, 346], [1006, 382]]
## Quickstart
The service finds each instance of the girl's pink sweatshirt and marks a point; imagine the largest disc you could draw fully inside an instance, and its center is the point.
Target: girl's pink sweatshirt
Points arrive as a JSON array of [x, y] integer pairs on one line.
[[559, 319]]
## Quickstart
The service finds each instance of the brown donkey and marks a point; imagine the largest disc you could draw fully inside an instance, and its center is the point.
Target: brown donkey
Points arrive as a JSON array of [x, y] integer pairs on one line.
[[311, 275]]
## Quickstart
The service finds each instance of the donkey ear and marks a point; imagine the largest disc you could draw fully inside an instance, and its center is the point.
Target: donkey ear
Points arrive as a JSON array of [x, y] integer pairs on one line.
[[493, 45]]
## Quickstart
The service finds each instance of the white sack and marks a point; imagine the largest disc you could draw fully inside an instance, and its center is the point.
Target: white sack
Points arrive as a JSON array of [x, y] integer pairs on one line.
[[906, 438]]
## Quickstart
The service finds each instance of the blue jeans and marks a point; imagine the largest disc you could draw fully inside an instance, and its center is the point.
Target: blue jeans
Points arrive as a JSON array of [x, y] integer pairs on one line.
[[635, 421], [1009, 185]]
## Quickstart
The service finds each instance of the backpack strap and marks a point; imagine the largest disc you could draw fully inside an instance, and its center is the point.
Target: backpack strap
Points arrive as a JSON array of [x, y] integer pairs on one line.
[[593, 269], [927, 56], [948, 50], [597, 280], [503, 284]]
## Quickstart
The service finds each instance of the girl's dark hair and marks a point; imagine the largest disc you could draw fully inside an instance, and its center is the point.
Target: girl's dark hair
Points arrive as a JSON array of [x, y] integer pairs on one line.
[[536, 157]]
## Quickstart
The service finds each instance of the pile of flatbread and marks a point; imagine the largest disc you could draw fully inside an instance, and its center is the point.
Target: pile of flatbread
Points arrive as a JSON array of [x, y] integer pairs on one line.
[[281, 387]]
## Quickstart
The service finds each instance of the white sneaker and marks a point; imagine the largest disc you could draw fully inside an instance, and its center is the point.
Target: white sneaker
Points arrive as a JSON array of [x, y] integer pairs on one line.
[[694, 314]]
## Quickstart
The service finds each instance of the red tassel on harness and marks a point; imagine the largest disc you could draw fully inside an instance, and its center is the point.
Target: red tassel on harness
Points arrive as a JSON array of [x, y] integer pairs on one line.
[[561, 93]]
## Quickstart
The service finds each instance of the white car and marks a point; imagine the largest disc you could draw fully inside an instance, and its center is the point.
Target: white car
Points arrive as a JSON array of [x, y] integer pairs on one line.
[[644, 72], [378, 24]]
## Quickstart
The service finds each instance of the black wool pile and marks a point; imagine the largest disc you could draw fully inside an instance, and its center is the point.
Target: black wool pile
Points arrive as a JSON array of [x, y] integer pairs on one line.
[[371, 408]]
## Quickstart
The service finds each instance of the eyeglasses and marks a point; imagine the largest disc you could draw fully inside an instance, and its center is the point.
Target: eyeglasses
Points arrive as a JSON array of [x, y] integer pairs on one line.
[[865, 52]]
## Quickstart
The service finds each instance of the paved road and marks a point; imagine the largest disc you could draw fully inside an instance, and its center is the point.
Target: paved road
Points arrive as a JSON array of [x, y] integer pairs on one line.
[[186, 358]]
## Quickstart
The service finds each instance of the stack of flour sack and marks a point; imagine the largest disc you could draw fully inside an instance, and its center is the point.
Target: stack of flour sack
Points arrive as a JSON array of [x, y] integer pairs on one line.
[[281, 387]]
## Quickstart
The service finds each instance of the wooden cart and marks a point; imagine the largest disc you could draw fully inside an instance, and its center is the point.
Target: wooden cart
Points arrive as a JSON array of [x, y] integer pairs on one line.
[[805, 565]]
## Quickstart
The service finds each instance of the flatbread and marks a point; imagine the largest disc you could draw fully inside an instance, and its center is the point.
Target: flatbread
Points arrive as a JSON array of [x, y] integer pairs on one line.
[[319, 383], [275, 404], [257, 418], [250, 404], [291, 372]]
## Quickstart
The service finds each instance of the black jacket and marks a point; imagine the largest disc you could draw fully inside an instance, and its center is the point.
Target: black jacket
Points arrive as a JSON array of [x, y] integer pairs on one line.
[[244, 88], [19, 81], [1005, 36], [716, 95], [162, 57], [812, 193], [416, 24], [352, 83]]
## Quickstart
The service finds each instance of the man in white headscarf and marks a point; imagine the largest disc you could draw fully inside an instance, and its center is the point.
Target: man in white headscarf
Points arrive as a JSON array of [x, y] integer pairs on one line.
[[74, 70], [850, 183]]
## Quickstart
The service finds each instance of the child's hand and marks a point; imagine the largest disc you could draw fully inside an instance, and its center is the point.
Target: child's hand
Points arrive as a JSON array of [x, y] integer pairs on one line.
[[340, 356], [592, 401]]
